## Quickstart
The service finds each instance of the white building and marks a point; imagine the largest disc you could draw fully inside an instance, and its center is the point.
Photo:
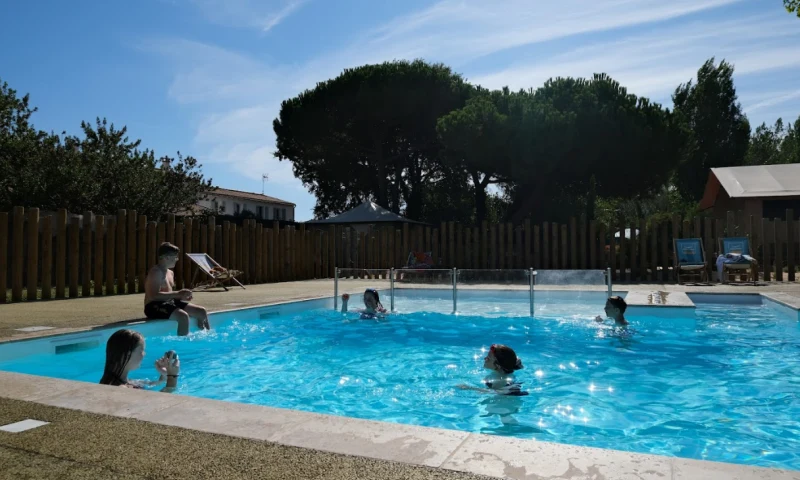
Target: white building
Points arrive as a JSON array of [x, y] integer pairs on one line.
[[233, 202]]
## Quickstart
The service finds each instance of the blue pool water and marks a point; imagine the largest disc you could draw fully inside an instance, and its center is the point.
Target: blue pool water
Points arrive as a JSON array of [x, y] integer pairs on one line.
[[722, 386]]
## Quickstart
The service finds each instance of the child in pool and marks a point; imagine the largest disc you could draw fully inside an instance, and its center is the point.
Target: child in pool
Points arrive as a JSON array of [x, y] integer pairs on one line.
[[372, 304], [502, 361], [615, 309], [125, 352]]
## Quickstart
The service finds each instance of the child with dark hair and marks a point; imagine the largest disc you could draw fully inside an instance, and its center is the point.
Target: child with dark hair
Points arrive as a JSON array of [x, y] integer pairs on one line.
[[503, 362], [124, 354], [161, 302], [373, 307], [615, 309]]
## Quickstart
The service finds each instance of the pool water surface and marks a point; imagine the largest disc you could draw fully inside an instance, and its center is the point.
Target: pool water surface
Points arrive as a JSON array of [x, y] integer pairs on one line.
[[720, 386]]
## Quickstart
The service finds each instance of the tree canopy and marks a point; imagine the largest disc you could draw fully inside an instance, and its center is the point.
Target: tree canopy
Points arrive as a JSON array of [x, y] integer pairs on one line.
[[102, 170], [370, 133], [792, 6], [419, 140], [715, 128]]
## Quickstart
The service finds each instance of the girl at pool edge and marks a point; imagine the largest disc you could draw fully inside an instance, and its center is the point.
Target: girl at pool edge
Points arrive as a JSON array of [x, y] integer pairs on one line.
[[372, 304], [125, 352], [502, 361]]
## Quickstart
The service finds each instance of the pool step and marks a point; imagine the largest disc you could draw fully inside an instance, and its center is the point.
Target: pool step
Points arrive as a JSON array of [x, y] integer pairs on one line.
[[659, 303]]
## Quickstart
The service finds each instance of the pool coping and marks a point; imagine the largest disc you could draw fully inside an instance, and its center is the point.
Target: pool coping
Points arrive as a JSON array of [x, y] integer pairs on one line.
[[505, 457], [497, 456]]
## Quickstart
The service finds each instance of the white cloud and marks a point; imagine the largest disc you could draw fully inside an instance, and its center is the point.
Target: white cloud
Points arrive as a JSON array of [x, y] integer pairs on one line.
[[461, 30], [260, 14], [654, 63], [771, 99]]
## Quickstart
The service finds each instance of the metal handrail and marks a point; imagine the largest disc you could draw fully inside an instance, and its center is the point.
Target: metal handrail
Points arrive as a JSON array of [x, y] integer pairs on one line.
[[530, 273]]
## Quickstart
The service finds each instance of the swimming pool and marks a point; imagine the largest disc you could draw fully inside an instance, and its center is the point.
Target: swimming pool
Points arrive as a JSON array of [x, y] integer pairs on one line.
[[719, 386]]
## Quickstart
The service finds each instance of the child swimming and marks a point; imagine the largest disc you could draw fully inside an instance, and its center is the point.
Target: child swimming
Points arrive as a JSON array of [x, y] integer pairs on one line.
[[502, 361], [372, 304], [615, 309]]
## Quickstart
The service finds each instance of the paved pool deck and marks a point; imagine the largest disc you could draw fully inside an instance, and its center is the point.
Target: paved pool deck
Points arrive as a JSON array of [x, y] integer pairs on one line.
[[102, 432]]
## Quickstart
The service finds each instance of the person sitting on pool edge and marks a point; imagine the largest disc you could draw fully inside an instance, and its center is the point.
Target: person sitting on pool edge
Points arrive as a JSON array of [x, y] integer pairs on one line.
[[503, 362], [125, 352], [372, 304], [615, 309], [161, 302]]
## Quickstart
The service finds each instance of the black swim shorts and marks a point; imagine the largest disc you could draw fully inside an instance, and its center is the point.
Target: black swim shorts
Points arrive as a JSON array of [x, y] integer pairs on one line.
[[161, 310]]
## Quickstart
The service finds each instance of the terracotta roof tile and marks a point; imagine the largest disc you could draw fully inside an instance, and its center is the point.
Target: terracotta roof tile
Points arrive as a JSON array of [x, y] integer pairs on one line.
[[248, 196]]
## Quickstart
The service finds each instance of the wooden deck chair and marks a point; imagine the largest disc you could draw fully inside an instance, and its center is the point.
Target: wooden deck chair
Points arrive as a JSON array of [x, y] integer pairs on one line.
[[217, 274], [690, 259], [738, 246]]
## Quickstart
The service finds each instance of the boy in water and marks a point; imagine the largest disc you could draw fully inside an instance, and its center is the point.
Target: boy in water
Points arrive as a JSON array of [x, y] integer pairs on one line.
[[615, 309], [161, 302]]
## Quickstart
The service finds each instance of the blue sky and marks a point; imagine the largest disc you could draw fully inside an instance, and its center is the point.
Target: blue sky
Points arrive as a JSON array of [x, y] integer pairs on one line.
[[206, 77]]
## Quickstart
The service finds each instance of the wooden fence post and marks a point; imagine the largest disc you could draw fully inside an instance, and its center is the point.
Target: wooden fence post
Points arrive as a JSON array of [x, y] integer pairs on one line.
[[121, 263], [501, 260], [643, 250], [141, 256], [18, 254], [47, 258], [406, 247], [170, 233], [593, 248], [74, 256], [545, 246], [573, 243], [584, 264], [111, 244], [765, 237], [602, 260], [177, 240], [99, 242], [161, 237], [780, 234], [188, 247], [33, 252], [526, 228], [633, 251], [653, 231], [509, 245], [554, 260], [61, 253], [133, 217], [484, 260], [612, 254], [564, 255], [3, 257], [245, 253], [212, 232], [459, 263], [259, 253], [152, 245]]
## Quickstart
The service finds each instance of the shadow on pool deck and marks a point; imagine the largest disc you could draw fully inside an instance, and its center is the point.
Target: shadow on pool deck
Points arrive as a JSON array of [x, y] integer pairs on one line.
[[78, 445]]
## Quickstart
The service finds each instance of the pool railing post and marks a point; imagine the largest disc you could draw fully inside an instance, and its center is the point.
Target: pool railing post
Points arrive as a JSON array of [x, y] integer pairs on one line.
[[336, 288], [391, 283], [608, 280], [455, 290], [531, 274]]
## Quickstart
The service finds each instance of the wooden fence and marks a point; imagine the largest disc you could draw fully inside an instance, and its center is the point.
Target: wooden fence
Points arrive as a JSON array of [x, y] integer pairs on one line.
[[68, 256]]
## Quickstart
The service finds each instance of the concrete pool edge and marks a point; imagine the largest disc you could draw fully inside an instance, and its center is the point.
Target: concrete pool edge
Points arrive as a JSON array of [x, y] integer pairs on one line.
[[416, 445]]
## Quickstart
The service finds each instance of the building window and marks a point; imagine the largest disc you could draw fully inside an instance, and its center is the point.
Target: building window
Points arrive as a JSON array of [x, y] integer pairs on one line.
[[237, 208], [260, 213], [283, 213], [215, 205]]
